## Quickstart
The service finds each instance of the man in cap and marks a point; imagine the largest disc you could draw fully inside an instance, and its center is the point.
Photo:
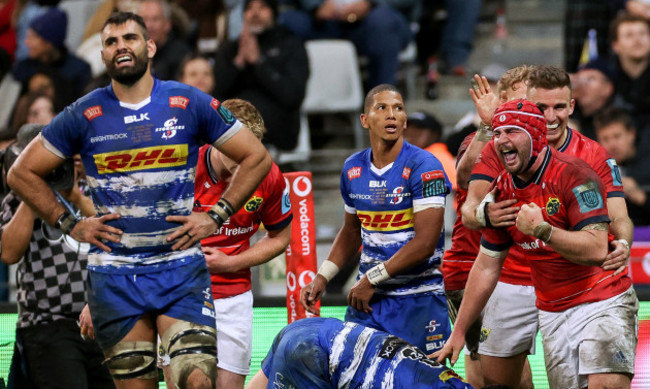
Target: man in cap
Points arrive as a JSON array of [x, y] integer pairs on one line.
[[562, 227], [45, 41]]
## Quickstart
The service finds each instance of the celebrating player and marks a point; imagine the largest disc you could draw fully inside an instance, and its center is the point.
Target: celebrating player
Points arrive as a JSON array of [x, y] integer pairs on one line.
[[562, 227]]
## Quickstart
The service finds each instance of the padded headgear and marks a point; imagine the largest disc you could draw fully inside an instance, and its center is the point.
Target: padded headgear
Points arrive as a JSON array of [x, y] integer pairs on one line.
[[526, 116]]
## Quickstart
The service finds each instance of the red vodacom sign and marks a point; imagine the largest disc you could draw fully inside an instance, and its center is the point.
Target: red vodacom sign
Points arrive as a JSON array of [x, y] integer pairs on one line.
[[301, 252]]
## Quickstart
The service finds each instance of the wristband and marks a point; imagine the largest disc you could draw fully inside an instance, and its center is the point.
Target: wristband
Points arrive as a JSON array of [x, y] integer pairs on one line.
[[328, 270], [484, 133], [221, 211], [378, 274], [625, 242], [543, 231], [481, 211], [66, 222]]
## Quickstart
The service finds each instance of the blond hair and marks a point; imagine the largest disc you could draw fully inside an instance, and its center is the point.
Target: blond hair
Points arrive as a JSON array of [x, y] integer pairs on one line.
[[247, 114], [512, 77]]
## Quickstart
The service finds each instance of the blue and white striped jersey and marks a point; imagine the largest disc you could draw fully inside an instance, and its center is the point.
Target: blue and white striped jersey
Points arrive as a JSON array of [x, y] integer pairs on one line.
[[327, 353], [384, 200], [140, 160]]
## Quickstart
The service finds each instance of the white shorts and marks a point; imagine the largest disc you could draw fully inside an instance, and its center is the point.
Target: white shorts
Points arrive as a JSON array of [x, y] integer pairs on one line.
[[509, 321], [234, 334], [590, 338]]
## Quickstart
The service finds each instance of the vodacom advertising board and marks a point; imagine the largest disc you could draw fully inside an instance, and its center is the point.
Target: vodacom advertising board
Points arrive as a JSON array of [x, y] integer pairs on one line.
[[301, 252]]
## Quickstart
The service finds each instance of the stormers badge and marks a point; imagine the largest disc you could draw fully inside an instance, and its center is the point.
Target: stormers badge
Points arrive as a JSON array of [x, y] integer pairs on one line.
[[253, 204], [552, 206]]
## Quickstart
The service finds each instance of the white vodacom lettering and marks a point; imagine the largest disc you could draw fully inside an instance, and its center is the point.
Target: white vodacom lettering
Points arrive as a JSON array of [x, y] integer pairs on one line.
[[304, 227]]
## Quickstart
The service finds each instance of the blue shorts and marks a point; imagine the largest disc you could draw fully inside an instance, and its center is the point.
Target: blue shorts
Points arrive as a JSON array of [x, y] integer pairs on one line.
[[117, 301], [422, 320]]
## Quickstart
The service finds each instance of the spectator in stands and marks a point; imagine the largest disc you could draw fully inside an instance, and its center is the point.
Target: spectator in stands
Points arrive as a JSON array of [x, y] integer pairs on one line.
[[197, 71], [171, 51], [378, 31], [630, 37], [24, 12], [267, 66], [36, 108], [45, 41], [425, 132], [211, 22], [616, 131], [7, 36], [593, 91]]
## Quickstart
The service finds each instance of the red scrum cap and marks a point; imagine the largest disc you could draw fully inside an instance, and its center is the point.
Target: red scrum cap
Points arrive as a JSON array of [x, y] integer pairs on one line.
[[526, 116]]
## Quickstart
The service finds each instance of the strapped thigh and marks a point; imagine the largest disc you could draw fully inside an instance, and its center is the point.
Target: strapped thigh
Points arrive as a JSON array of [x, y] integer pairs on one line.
[[191, 346], [132, 359]]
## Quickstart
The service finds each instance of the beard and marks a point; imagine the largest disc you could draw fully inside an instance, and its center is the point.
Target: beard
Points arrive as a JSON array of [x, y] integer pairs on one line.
[[128, 75]]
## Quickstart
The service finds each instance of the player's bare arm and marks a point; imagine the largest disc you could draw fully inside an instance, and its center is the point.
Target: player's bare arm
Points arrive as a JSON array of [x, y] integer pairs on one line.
[[499, 214], [481, 282], [253, 161], [345, 246], [486, 103], [623, 229], [427, 224], [265, 249], [585, 247], [26, 178]]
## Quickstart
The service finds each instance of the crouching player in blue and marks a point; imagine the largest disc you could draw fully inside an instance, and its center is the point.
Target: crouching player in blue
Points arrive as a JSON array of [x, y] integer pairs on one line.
[[328, 353]]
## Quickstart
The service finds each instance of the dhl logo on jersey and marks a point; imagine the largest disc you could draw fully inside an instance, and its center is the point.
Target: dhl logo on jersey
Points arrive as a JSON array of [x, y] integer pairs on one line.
[[386, 221], [141, 159]]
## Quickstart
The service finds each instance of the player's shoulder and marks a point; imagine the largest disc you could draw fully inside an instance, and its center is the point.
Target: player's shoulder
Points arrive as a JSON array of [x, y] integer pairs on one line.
[[588, 148], [98, 96], [413, 156], [572, 162]]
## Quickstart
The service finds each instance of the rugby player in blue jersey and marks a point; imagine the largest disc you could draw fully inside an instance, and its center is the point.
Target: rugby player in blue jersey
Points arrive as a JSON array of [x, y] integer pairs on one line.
[[324, 353], [139, 139], [394, 195]]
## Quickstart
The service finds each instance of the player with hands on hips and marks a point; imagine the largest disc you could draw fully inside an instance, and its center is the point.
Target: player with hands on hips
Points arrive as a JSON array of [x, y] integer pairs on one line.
[[139, 140]]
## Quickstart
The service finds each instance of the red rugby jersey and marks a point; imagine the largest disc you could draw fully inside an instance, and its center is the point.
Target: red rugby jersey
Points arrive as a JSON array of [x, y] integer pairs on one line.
[[458, 260], [267, 205], [516, 269], [571, 196]]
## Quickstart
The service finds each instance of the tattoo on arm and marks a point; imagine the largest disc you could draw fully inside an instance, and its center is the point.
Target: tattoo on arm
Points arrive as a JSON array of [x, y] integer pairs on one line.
[[596, 226]]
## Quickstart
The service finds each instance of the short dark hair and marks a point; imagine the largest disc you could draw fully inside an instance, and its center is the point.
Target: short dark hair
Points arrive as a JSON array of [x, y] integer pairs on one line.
[[624, 17], [548, 77], [119, 18], [611, 115], [378, 89]]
